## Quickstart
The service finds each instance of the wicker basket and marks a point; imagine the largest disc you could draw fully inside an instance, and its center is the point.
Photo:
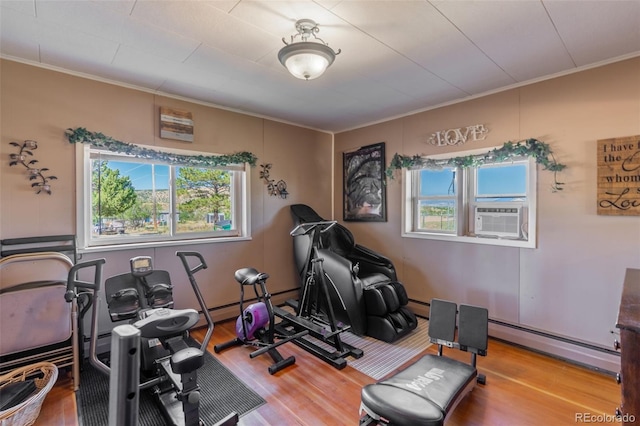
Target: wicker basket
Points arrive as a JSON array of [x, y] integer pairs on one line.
[[27, 412]]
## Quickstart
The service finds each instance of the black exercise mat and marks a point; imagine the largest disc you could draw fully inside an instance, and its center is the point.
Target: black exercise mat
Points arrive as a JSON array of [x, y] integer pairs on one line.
[[221, 393]]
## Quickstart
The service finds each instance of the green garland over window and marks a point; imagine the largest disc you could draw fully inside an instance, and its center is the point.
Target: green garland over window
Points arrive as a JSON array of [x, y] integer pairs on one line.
[[508, 152], [98, 140]]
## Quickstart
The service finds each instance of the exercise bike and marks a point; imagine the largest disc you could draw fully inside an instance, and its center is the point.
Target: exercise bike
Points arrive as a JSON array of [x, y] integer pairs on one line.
[[167, 363], [255, 326]]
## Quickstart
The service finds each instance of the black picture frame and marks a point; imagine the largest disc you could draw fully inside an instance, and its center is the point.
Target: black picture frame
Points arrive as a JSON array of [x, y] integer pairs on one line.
[[364, 190]]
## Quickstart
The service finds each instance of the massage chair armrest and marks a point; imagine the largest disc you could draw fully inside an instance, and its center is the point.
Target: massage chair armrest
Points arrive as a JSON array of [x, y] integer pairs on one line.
[[371, 262]]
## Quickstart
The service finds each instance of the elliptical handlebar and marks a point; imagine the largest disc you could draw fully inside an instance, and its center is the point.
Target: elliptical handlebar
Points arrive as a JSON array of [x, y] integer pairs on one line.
[[72, 278], [305, 228], [72, 285], [183, 255]]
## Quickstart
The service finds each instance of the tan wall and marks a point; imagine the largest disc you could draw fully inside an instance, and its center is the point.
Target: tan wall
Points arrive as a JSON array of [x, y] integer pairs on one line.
[[570, 285], [40, 104]]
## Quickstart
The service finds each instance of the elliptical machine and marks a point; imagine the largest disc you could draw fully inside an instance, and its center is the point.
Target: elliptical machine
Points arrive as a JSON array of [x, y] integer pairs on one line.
[[255, 325], [313, 311], [168, 364]]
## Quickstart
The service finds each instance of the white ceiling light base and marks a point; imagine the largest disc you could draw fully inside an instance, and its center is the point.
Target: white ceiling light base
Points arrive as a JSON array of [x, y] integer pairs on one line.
[[306, 59]]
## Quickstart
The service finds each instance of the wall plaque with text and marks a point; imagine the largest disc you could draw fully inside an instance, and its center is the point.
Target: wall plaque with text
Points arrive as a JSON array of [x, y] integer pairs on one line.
[[619, 176], [176, 124]]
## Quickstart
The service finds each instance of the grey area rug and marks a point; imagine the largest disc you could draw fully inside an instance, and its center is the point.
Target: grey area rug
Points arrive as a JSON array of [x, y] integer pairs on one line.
[[221, 394], [381, 358]]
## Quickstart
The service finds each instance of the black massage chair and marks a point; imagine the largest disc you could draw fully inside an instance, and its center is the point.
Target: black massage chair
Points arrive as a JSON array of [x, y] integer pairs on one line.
[[363, 286]]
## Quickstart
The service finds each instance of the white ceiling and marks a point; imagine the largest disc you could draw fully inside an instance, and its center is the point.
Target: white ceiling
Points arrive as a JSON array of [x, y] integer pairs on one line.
[[397, 56]]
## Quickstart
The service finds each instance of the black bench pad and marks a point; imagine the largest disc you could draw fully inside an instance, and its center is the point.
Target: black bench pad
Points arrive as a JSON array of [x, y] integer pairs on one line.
[[423, 393], [399, 406]]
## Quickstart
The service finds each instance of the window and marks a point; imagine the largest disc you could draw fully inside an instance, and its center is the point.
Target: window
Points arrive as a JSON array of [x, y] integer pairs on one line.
[[128, 200], [501, 182], [493, 203], [437, 201]]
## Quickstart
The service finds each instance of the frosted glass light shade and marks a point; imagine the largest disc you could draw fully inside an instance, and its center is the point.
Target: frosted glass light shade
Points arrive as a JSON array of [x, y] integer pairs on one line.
[[306, 60]]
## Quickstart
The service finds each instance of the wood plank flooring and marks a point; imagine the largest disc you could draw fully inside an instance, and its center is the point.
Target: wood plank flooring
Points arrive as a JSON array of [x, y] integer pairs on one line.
[[523, 388]]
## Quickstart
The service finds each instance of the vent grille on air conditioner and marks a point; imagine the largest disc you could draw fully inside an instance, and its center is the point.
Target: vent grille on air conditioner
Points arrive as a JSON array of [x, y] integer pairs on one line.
[[499, 221]]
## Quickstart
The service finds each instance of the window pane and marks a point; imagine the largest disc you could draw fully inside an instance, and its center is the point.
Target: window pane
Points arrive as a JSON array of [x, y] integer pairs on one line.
[[501, 180], [437, 182], [138, 200], [129, 199], [203, 200], [437, 215]]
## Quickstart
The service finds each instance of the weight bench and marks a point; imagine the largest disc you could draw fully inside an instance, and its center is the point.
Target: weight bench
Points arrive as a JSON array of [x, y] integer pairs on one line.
[[428, 391]]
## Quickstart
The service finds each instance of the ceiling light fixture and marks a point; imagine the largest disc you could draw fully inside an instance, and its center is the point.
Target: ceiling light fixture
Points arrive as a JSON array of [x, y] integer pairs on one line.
[[306, 59]]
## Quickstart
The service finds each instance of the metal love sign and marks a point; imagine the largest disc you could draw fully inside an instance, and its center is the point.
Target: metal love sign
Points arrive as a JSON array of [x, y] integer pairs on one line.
[[458, 136]]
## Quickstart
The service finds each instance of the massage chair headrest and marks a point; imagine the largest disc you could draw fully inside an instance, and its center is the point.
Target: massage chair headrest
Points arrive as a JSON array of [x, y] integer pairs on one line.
[[304, 214]]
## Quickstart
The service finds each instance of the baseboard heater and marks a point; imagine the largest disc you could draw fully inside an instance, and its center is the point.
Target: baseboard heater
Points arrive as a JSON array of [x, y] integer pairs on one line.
[[550, 336]]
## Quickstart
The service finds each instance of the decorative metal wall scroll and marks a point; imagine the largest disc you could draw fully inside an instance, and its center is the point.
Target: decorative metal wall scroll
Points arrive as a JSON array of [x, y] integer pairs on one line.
[[275, 189], [24, 157]]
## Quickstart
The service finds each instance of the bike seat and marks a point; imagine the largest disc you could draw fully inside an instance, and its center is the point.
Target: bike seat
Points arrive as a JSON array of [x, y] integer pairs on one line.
[[250, 276], [187, 360]]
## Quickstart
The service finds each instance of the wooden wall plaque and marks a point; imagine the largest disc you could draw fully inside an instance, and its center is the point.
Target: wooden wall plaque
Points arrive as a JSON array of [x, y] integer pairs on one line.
[[176, 124], [619, 176]]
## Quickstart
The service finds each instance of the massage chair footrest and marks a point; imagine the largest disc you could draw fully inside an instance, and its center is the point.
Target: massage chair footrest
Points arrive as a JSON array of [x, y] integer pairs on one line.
[[388, 318], [384, 296], [392, 326], [424, 393]]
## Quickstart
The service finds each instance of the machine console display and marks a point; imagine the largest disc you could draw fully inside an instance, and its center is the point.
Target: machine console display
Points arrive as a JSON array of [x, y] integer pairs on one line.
[[141, 266]]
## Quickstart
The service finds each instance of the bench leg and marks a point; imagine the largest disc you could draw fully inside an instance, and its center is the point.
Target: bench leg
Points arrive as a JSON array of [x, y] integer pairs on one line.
[[369, 418]]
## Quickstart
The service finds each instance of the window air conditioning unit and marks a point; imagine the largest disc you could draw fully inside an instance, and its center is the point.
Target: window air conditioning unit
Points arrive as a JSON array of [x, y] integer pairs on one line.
[[498, 220]]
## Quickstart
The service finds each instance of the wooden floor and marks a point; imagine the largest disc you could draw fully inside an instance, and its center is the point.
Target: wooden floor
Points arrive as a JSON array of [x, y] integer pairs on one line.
[[523, 388]]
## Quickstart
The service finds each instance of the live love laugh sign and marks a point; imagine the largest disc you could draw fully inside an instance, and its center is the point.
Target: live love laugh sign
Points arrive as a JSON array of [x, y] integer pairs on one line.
[[619, 176]]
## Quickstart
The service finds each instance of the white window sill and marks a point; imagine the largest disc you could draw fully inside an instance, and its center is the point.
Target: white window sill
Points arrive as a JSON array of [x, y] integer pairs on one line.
[[493, 241], [153, 244]]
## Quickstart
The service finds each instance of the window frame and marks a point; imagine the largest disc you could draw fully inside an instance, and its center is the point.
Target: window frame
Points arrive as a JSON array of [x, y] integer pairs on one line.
[[86, 243], [466, 181]]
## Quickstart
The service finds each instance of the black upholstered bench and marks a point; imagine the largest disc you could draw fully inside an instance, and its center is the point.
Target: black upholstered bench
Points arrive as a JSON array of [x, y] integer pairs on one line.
[[427, 391]]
